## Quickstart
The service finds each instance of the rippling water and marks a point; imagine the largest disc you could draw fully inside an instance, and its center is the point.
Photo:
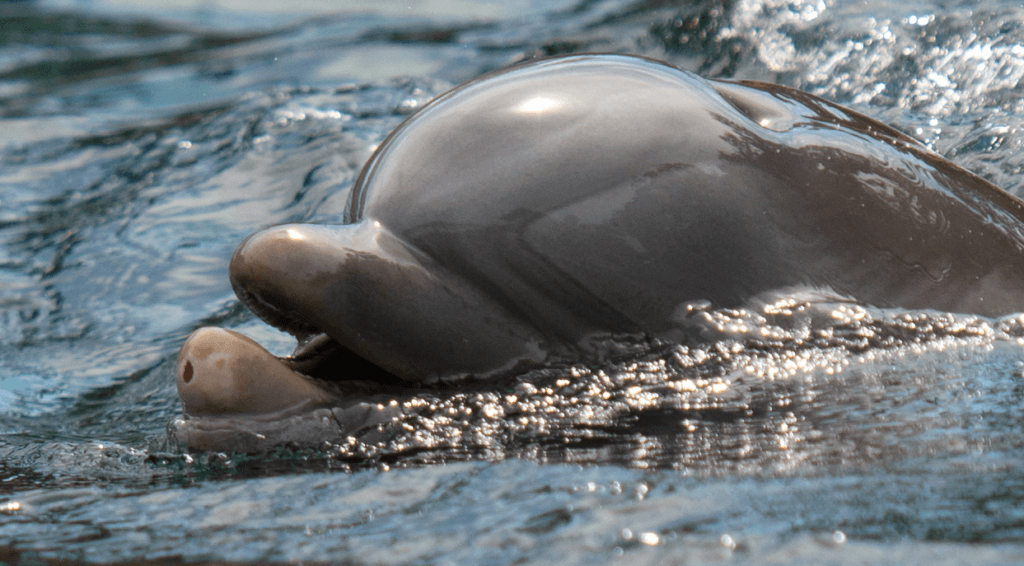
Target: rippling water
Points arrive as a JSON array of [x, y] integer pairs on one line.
[[142, 141]]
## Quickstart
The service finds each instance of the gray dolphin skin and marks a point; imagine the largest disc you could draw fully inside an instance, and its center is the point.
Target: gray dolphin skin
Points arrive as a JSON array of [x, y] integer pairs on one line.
[[524, 216]]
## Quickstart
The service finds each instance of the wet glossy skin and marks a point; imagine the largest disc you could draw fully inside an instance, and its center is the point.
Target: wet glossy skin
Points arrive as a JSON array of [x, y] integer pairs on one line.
[[526, 214]]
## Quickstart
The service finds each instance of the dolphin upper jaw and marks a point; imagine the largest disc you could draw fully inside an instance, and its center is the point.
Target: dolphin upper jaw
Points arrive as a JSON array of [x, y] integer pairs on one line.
[[266, 289]]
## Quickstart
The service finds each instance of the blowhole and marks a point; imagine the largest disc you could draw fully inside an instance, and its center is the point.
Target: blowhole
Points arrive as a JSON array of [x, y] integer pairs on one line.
[[186, 374]]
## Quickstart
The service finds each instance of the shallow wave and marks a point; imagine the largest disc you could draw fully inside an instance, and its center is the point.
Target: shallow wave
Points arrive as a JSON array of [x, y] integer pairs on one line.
[[792, 386]]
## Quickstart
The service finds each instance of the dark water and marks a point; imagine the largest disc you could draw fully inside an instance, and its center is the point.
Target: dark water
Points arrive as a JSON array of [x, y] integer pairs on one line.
[[139, 143]]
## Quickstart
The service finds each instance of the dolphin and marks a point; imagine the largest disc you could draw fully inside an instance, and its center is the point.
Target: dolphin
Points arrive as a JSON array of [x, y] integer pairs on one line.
[[531, 214]]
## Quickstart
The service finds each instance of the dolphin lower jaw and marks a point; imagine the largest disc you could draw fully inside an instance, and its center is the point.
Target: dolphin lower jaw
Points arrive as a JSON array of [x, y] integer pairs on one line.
[[223, 372]]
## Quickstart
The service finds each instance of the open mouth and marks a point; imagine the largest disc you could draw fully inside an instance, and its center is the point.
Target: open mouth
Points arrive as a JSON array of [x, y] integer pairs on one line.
[[222, 372], [370, 315], [239, 397], [280, 278]]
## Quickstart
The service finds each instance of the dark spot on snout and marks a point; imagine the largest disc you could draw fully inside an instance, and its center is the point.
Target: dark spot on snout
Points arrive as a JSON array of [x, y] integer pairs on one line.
[[186, 375]]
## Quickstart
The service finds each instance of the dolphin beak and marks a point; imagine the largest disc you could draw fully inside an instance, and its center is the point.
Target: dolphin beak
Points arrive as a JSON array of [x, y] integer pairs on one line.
[[222, 372], [381, 299], [282, 274]]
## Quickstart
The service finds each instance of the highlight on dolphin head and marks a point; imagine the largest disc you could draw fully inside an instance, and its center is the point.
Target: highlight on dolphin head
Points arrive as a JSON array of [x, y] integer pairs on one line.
[[520, 218]]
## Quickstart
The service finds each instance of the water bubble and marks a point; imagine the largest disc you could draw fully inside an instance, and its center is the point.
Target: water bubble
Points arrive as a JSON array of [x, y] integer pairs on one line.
[[408, 105], [641, 491], [649, 539]]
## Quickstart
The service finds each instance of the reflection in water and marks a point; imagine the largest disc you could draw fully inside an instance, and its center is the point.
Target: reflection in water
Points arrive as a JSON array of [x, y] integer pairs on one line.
[[795, 386]]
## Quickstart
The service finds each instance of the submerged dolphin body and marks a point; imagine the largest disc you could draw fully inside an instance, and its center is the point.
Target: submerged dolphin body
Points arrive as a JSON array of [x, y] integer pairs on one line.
[[525, 215]]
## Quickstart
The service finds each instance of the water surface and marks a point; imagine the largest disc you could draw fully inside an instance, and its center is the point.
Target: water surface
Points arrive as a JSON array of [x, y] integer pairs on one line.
[[143, 140]]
